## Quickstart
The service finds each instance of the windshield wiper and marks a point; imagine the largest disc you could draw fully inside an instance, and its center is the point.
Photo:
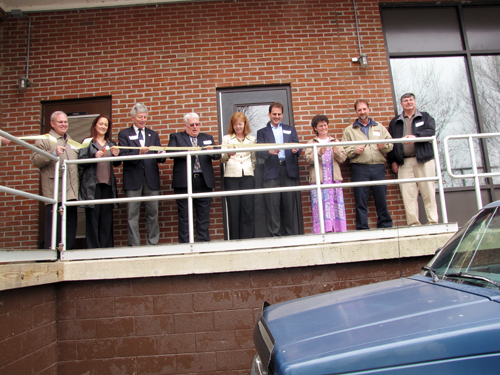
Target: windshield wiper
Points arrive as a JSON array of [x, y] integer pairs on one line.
[[434, 275], [473, 277]]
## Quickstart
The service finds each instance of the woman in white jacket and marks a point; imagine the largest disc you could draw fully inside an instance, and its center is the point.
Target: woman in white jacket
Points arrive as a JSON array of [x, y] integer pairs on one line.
[[239, 175]]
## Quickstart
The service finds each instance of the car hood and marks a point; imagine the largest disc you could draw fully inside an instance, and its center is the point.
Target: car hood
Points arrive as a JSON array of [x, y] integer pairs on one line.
[[383, 325]]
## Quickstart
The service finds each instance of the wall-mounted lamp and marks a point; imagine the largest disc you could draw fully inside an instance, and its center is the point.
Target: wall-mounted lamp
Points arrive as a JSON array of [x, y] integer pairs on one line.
[[23, 82], [362, 60]]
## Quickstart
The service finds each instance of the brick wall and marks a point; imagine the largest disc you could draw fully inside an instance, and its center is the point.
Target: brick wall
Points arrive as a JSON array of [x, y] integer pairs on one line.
[[173, 57], [28, 331], [196, 324]]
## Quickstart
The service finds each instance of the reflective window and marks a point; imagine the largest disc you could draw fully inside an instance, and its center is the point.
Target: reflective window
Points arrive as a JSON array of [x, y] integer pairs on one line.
[[481, 26], [487, 79], [257, 115], [434, 53], [441, 88], [421, 29]]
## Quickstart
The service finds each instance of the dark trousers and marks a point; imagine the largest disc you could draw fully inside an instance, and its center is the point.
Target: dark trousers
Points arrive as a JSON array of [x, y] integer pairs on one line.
[[99, 220], [370, 172], [202, 207], [71, 224], [278, 203], [241, 208]]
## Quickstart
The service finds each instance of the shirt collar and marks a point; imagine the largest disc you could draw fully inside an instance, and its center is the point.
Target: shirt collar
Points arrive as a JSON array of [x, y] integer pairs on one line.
[[370, 123], [57, 135], [137, 129]]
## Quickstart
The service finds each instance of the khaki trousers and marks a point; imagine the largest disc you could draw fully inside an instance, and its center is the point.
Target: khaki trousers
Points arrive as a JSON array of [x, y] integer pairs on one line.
[[409, 191]]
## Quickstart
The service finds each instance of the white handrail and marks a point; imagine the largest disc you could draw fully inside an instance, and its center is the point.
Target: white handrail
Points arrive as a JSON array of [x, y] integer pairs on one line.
[[190, 195], [38, 197], [474, 175]]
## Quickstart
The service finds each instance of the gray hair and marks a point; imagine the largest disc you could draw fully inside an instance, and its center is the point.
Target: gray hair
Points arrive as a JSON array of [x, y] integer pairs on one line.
[[57, 113], [138, 108], [189, 116], [407, 95]]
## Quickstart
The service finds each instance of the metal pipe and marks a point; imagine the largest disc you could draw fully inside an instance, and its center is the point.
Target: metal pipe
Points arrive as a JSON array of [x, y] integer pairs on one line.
[[357, 27]]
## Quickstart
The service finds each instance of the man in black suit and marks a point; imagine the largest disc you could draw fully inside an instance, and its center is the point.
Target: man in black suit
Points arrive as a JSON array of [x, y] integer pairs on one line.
[[281, 169], [141, 177], [202, 173]]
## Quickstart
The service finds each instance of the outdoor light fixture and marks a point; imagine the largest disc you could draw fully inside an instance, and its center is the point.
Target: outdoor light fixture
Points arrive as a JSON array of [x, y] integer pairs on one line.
[[23, 82], [362, 60]]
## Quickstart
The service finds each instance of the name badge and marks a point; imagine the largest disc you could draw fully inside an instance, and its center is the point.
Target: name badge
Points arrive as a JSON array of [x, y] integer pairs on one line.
[[207, 142], [133, 137], [287, 132], [376, 133], [419, 123]]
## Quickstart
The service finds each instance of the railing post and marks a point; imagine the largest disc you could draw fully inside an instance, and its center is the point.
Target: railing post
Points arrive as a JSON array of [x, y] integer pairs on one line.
[[190, 198], [477, 187], [319, 192], [63, 205], [53, 236], [442, 201]]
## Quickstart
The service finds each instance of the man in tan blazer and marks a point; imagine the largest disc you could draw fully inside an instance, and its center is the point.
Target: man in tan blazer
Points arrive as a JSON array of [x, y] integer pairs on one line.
[[59, 123]]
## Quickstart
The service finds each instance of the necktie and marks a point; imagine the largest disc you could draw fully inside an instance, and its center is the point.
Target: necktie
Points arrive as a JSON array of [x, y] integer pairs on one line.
[[141, 138], [197, 166]]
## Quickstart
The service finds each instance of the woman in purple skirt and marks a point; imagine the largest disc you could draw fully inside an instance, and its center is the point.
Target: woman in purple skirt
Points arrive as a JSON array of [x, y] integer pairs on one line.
[[329, 157]]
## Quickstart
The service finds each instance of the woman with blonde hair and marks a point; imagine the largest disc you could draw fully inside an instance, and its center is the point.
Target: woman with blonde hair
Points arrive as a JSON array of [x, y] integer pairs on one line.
[[239, 175]]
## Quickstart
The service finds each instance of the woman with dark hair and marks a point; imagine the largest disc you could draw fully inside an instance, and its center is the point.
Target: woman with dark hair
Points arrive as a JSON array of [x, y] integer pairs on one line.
[[238, 175], [329, 171], [97, 181]]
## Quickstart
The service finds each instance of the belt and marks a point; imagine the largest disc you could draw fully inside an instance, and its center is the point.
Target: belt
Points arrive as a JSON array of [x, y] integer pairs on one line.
[[197, 175], [411, 156], [282, 162]]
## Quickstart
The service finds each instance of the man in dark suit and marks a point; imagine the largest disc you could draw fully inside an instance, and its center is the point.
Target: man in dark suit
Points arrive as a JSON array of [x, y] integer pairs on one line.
[[141, 177], [281, 169], [202, 173]]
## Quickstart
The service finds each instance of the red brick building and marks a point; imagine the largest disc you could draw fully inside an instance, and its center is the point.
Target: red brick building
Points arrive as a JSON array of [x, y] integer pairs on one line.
[[176, 58]]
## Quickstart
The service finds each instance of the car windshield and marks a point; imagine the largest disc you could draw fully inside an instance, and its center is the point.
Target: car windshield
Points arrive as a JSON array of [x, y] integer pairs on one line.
[[472, 256]]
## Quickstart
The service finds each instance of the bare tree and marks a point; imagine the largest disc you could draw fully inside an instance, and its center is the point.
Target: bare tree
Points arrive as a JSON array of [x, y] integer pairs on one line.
[[441, 89], [487, 78]]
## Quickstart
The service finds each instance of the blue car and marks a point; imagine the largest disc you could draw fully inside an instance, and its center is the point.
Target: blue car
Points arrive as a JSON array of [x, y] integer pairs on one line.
[[445, 320]]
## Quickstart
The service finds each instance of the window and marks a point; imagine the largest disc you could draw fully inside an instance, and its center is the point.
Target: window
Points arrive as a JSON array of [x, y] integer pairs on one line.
[[447, 57]]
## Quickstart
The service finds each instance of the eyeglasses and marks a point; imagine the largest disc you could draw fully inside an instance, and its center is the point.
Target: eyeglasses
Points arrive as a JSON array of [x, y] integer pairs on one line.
[[195, 124], [61, 122]]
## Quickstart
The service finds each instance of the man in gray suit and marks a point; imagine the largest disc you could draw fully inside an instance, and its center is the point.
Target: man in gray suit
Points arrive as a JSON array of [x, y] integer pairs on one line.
[[141, 177]]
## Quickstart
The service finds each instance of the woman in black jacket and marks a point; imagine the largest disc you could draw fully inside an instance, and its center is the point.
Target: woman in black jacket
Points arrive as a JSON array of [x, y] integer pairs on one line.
[[97, 181]]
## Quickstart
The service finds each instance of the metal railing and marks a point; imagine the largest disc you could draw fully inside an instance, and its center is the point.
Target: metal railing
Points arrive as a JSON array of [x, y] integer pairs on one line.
[[39, 254], [257, 243], [476, 175]]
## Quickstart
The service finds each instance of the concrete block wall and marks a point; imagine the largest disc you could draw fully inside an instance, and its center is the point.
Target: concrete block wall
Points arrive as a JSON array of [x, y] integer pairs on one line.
[[28, 331], [195, 324], [173, 57]]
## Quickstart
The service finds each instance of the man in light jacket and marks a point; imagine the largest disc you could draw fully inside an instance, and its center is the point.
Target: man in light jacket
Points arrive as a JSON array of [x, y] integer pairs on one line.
[[368, 164], [59, 123]]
